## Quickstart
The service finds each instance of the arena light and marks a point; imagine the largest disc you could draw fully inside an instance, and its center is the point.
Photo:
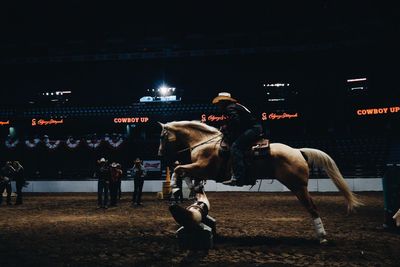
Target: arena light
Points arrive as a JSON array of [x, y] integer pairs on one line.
[[163, 93], [276, 84], [357, 88], [59, 93], [356, 80], [164, 90], [276, 99]]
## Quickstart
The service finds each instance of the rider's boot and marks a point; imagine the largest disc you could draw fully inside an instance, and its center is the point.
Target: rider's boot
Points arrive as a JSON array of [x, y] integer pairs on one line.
[[238, 167]]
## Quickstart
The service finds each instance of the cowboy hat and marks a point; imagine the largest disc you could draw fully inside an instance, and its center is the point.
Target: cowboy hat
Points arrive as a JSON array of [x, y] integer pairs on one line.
[[102, 160], [114, 165], [223, 96]]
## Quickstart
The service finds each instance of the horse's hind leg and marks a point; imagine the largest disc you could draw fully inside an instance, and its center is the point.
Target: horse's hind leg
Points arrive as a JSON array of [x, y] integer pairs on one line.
[[304, 196]]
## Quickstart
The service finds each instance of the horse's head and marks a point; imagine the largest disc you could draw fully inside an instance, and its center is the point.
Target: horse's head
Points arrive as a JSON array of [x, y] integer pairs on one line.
[[180, 136], [167, 136]]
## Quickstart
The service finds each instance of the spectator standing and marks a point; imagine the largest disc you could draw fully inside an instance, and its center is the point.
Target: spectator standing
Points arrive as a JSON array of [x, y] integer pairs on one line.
[[103, 175], [20, 181], [7, 172], [116, 174], [391, 196], [119, 167], [139, 172]]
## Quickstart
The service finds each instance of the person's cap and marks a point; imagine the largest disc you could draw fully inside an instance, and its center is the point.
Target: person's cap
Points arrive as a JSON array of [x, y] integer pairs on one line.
[[137, 160], [223, 96], [102, 160], [114, 165]]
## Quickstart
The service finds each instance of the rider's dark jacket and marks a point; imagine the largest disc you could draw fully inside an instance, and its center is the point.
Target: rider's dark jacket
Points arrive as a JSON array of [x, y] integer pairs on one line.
[[238, 120]]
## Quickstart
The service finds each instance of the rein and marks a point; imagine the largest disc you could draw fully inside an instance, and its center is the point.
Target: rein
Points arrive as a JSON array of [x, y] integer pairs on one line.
[[202, 143]]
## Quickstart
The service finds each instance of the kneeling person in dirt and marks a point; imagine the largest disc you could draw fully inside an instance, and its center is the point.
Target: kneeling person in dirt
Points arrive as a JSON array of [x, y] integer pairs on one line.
[[194, 214], [240, 129]]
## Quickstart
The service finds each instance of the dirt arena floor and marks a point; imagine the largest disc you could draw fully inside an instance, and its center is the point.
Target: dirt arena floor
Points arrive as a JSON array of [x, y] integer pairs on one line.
[[254, 229]]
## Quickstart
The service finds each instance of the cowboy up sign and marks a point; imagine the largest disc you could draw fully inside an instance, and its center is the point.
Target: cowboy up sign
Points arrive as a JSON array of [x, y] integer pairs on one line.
[[377, 111], [131, 120]]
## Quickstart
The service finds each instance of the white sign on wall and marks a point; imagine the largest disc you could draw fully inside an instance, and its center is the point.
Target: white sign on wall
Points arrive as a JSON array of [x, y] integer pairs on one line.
[[152, 165]]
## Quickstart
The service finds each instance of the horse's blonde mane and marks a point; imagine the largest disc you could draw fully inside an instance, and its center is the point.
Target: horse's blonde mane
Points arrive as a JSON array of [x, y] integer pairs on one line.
[[195, 125]]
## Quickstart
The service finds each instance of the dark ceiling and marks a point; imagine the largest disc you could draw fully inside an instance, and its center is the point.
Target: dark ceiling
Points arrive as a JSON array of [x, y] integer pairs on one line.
[[73, 23], [41, 46]]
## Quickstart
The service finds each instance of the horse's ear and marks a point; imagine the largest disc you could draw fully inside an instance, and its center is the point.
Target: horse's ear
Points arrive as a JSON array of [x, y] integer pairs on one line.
[[162, 125]]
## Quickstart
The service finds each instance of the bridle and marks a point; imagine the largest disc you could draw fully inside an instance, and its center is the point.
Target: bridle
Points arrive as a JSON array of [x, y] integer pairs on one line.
[[200, 144]]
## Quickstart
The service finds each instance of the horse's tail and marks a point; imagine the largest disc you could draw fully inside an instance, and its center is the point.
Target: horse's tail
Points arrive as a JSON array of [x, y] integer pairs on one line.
[[322, 160]]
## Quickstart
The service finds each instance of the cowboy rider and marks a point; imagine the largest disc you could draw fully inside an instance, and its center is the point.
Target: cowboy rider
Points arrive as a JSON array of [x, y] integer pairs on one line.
[[241, 129]]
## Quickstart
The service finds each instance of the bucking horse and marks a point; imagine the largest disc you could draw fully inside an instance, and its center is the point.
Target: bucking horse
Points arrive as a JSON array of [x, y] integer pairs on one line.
[[205, 160]]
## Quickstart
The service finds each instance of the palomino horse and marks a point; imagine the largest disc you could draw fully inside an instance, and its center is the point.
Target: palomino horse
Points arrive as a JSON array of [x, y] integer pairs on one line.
[[288, 165]]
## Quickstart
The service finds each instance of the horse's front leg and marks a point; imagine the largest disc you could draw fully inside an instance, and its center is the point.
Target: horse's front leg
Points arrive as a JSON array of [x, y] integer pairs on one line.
[[195, 169], [191, 186]]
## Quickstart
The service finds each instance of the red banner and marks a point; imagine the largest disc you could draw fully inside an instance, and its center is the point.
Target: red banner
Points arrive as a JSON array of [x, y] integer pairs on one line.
[[276, 116], [212, 118], [42, 122]]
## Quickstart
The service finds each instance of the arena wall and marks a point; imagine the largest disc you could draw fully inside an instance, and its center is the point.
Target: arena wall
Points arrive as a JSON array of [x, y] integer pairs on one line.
[[315, 185]]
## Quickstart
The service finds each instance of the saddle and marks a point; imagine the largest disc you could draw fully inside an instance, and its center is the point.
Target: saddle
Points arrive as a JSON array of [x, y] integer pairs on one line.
[[257, 149]]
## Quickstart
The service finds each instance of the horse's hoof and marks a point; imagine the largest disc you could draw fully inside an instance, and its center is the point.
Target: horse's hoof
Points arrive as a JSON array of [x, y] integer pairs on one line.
[[182, 216]]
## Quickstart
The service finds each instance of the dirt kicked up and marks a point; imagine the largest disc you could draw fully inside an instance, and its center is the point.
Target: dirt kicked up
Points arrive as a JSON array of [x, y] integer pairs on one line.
[[254, 229]]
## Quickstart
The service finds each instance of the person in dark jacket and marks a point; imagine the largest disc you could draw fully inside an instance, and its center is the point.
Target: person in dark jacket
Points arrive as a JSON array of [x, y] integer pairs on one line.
[[116, 175], [7, 174], [20, 181], [103, 174], [139, 172], [119, 167], [241, 129]]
